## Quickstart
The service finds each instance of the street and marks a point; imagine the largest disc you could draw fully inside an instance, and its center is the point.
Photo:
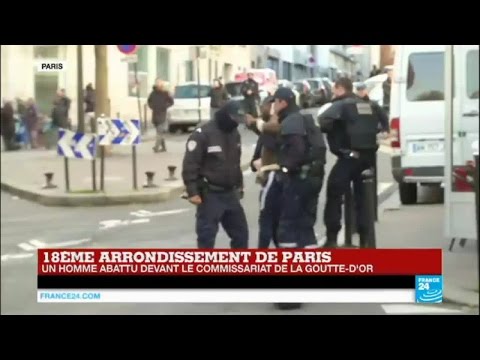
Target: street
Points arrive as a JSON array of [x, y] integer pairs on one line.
[[27, 226]]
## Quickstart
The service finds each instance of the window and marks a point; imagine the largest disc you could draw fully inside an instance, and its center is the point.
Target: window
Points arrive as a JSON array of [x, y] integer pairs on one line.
[[287, 70], [189, 70], [252, 64], [46, 52], [46, 86], [472, 74], [163, 64], [425, 80], [272, 63], [191, 91], [139, 86]]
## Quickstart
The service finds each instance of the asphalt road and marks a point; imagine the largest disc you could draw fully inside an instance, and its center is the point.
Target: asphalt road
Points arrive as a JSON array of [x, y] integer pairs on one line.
[[27, 226]]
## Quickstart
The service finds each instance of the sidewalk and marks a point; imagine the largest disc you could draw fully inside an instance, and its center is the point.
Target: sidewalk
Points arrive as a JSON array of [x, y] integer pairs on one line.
[[22, 174], [421, 226]]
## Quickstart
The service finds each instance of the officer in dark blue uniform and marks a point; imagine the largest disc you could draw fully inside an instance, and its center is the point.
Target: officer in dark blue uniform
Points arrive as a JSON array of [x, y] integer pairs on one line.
[[213, 178], [351, 126], [302, 172]]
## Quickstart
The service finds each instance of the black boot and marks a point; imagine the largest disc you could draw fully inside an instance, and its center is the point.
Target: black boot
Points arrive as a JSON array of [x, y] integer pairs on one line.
[[331, 240], [288, 306]]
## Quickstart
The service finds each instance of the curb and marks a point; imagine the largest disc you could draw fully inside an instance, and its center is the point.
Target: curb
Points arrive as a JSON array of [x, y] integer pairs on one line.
[[454, 296], [387, 192], [161, 194]]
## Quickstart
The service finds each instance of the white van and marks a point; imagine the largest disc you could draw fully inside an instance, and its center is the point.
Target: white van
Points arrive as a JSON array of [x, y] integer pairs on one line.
[[185, 111], [417, 115]]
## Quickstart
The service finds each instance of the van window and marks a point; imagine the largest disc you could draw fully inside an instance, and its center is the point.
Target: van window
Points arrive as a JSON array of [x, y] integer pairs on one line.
[[425, 77], [472, 74], [191, 91]]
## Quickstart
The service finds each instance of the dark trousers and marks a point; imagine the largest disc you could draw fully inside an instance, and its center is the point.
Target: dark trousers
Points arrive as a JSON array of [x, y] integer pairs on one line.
[[344, 172], [270, 210], [250, 107], [221, 208], [299, 213]]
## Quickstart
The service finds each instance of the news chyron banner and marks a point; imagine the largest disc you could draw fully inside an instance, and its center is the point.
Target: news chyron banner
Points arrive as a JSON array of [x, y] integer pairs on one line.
[[208, 276]]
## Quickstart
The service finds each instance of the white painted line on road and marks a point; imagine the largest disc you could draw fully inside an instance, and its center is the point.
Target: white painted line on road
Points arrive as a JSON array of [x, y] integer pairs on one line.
[[7, 257], [140, 221], [417, 309], [27, 247], [146, 213], [15, 198], [37, 243]]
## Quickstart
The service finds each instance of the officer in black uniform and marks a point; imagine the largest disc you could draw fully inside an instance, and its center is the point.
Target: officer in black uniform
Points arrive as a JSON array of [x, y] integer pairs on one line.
[[251, 95], [214, 180], [302, 167], [351, 127], [381, 114]]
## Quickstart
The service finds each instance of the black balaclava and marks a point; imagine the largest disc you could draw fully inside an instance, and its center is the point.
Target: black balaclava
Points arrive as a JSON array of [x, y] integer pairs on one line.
[[229, 116]]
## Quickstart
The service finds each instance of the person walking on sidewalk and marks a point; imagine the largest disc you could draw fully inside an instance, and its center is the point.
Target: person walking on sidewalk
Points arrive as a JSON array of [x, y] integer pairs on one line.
[[8, 127], [159, 101], [218, 97], [32, 122], [89, 100]]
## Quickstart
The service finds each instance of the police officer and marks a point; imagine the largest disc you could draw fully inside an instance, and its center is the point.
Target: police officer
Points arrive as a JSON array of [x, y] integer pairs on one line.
[[265, 164], [251, 95], [301, 161], [381, 114], [351, 127], [214, 180]]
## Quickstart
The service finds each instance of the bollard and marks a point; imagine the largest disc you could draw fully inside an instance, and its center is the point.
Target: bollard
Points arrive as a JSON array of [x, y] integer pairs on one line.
[[48, 181], [171, 173], [367, 239], [150, 184], [349, 216]]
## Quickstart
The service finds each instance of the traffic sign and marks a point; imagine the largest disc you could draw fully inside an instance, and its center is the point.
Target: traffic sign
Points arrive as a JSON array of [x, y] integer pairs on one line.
[[76, 145], [118, 132], [128, 49]]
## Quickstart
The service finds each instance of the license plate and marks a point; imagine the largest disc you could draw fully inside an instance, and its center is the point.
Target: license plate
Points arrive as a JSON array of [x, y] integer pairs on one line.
[[424, 147]]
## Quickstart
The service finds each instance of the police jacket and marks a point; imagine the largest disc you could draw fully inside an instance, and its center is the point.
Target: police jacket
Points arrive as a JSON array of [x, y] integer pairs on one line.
[[380, 113], [213, 155], [252, 85], [350, 124], [293, 150]]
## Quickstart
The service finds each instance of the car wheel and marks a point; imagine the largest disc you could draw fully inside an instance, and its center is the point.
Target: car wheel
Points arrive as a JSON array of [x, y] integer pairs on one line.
[[408, 193]]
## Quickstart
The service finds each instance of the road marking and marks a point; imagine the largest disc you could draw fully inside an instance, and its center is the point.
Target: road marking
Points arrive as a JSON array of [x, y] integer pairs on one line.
[[37, 243], [16, 256], [146, 213], [109, 224], [27, 247], [15, 198], [69, 243], [417, 309]]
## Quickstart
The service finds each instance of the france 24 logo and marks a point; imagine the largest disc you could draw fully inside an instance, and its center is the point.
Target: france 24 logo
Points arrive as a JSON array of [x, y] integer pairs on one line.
[[51, 66], [429, 289]]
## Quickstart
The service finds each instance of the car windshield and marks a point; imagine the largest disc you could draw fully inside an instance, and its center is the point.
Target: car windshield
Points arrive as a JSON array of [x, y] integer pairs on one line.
[[234, 88], [314, 84], [298, 87], [191, 91]]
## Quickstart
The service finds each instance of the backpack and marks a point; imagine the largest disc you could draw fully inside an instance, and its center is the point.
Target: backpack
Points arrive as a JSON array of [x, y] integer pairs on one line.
[[317, 150]]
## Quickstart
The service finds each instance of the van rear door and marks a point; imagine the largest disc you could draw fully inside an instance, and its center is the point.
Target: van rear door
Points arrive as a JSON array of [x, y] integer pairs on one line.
[[465, 125], [422, 106]]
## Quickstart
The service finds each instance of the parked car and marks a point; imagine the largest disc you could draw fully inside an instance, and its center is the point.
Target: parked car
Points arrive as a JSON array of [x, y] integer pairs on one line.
[[306, 96], [328, 87], [318, 90], [185, 111]]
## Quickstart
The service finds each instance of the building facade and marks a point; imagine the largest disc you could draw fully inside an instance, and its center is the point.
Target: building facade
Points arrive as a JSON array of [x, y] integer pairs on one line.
[[173, 63]]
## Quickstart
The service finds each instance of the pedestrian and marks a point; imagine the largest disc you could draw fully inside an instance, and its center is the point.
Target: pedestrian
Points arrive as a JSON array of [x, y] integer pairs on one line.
[[351, 127], [265, 164], [89, 100], [159, 101], [60, 113], [32, 122], [251, 95], [213, 178], [218, 97], [65, 103], [375, 71], [8, 127], [387, 86]]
